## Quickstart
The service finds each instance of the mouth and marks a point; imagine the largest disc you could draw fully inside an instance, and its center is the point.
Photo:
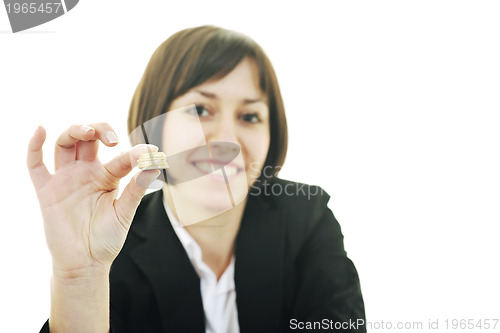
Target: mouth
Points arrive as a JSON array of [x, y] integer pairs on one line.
[[206, 167]]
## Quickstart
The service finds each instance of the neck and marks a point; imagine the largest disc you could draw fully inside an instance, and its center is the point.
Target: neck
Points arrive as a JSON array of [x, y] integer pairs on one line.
[[215, 236]]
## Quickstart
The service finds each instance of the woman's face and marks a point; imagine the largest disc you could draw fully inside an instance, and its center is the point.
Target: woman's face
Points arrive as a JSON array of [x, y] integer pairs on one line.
[[230, 110]]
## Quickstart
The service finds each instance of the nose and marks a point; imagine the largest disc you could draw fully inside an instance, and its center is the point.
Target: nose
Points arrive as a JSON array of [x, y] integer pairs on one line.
[[223, 139], [223, 130]]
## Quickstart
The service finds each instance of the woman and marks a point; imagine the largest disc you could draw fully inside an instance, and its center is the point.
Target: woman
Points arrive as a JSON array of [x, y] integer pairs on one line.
[[214, 250]]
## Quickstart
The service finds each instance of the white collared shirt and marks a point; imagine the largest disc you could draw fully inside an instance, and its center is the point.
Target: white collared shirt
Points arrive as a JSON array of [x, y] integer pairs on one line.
[[219, 297]]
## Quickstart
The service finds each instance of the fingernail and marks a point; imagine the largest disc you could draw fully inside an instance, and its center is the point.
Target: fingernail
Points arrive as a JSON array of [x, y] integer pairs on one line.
[[111, 137], [153, 147], [155, 175], [86, 128], [144, 179]]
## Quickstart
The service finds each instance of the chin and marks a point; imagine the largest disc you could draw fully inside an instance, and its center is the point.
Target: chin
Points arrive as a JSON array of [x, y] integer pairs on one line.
[[195, 202], [215, 202]]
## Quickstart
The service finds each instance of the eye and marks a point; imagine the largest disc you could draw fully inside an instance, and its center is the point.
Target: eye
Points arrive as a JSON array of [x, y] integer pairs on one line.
[[200, 110], [251, 118]]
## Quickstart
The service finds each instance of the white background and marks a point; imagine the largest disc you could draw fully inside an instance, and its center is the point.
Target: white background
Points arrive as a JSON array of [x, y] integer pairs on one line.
[[393, 108]]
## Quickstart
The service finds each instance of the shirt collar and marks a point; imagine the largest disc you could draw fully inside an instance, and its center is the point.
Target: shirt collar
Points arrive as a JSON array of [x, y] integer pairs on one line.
[[193, 250]]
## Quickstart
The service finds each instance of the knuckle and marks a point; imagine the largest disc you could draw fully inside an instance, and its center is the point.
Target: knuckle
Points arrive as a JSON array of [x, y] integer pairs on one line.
[[100, 126], [73, 128]]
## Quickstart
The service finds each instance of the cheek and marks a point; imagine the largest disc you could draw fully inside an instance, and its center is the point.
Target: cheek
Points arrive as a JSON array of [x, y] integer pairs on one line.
[[256, 148], [181, 133]]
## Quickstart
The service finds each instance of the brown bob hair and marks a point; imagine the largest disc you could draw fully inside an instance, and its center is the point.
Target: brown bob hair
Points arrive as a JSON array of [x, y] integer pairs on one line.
[[193, 56]]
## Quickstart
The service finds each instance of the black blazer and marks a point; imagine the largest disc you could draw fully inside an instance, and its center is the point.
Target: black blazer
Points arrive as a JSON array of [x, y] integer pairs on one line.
[[290, 269]]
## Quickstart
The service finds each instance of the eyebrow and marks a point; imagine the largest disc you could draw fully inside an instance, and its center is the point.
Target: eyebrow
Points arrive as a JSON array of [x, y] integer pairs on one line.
[[214, 96]]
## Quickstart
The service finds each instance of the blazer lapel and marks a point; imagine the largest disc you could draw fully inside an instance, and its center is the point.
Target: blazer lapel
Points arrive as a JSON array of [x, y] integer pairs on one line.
[[164, 261], [259, 268]]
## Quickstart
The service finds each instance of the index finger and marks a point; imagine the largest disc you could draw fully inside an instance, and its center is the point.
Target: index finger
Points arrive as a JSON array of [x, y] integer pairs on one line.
[[122, 164], [65, 150]]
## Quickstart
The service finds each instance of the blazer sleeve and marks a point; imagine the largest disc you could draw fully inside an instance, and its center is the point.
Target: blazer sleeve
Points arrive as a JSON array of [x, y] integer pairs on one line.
[[46, 329], [329, 290]]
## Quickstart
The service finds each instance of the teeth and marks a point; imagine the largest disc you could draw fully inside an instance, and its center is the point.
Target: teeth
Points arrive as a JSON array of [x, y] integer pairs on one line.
[[207, 168]]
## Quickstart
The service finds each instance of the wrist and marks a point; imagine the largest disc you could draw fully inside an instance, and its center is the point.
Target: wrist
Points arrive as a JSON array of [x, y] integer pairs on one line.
[[80, 274], [80, 300]]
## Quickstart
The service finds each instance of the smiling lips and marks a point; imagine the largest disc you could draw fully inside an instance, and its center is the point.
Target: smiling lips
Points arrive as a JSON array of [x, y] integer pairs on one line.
[[206, 167]]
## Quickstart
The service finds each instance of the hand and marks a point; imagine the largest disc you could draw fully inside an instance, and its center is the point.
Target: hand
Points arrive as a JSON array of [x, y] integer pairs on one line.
[[85, 224]]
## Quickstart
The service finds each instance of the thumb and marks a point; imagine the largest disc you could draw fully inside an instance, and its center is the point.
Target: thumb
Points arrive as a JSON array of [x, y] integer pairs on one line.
[[128, 202]]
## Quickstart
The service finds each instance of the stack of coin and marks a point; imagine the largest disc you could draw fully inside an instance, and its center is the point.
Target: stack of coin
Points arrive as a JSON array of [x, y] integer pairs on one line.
[[150, 161]]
